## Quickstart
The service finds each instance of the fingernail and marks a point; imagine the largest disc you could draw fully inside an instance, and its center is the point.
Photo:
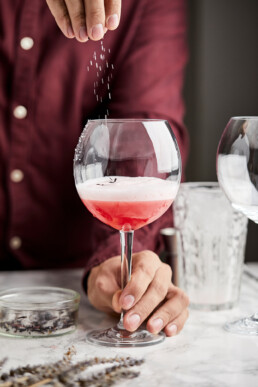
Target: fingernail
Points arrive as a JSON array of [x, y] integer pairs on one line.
[[70, 32], [172, 329], [97, 31], [128, 301], [83, 34], [134, 321], [105, 30], [112, 21], [157, 324]]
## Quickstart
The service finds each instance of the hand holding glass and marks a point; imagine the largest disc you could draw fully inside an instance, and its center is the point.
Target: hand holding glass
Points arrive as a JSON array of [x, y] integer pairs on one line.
[[127, 173]]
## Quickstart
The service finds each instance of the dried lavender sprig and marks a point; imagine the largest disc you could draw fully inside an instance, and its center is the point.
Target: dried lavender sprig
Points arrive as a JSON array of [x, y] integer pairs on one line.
[[32, 373], [48, 372], [42, 369], [65, 376], [21, 371], [108, 377]]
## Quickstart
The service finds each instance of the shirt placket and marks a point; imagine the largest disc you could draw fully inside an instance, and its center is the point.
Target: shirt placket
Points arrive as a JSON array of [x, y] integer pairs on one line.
[[22, 118]]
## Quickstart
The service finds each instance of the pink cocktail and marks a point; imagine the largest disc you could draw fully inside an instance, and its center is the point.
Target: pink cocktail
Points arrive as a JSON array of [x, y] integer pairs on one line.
[[127, 202], [132, 215]]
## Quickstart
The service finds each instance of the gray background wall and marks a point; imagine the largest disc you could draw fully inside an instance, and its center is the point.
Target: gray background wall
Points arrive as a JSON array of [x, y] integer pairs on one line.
[[221, 81]]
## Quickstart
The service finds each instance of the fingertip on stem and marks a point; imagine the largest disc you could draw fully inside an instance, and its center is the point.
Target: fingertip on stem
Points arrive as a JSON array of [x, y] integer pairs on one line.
[[132, 322], [127, 301]]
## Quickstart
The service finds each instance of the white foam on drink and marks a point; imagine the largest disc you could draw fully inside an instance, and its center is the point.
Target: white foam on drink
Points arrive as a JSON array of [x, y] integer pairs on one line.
[[121, 188]]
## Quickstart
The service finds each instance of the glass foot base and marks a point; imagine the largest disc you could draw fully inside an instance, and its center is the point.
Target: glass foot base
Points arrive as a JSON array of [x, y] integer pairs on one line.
[[115, 337], [246, 326]]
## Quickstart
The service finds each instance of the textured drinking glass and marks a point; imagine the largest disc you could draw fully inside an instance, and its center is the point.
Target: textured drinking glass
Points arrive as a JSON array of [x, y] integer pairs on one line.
[[127, 173], [237, 170], [212, 238]]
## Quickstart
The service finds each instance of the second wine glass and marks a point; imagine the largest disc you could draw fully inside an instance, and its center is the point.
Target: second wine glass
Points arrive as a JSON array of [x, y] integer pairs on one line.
[[127, 173], [237, 170]]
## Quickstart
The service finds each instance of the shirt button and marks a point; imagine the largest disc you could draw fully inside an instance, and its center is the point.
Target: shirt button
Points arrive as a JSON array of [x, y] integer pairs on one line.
[[20, 112], [15, 242], [16, 175], [27, 43]]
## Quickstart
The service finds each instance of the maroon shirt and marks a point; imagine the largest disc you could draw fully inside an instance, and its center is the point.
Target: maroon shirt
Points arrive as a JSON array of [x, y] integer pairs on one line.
[[46, 97]]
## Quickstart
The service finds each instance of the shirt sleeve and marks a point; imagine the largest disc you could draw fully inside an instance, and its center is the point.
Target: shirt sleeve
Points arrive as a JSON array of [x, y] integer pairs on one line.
[[148, 81]]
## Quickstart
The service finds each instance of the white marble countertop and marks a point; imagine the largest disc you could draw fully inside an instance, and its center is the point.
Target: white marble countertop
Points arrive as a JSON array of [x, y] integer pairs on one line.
[[203, 354]]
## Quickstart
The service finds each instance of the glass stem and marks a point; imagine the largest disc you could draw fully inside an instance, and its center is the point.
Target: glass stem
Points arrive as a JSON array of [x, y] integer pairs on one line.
[[126, 240]]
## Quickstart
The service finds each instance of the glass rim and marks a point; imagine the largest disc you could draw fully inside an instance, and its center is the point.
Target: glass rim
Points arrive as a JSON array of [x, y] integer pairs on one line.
[[116, 120], [244, 118], [70, 297]]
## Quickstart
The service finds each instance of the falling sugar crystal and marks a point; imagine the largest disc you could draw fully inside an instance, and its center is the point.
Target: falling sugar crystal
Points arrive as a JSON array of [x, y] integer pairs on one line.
[[103, 74]]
